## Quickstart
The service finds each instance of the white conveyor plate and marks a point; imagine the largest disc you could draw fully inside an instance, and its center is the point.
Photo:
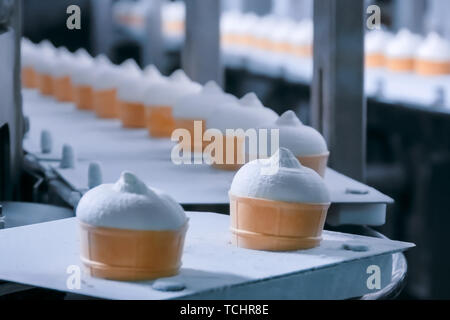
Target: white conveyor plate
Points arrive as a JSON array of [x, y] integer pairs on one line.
[[120, 149], [40, 254]]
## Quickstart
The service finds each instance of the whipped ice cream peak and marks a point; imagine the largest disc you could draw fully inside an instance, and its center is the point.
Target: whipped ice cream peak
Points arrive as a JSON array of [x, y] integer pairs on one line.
[[46, 44], [289, 118], [434, 48], [211, 87], [152, 71], [130, 204], [250, 100], [81, 52], [102, 59], [130, 64], [179, 76], [285, 159], [129, 183], [280, 178], [403, 45]]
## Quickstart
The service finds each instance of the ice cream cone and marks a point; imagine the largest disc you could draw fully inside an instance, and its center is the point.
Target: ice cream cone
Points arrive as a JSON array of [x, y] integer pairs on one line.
[[132, 114], [375, 60], [400, 65], [131, 255], [63, 89], [223, 159], [45, 83], [317, 162], [105, 103], [432, 68], [188, 124], [159, 121], [84, 97], [29, 77], [262, 224]]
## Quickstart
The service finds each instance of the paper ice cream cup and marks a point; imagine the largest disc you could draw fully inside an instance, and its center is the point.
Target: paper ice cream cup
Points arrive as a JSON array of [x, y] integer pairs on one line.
[[105, 103], [374, 60], [400, 65], [84, 97], [232, 155], [159, 121], [63, 90], [29, 77], [131, 255], [45, 83], [432, 68], [193, 145], [262, 224], [317, 162], [132, 114]]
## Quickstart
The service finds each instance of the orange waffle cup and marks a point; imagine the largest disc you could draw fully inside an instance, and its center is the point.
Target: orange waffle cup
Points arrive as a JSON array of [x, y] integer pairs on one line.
[[432, 68], [63, 90], [400, 65], [318, 162], [132, 114], [188, 124], [262, 224], [105, 103], [29, 77], [229, 39], [232, 145], [174, 26], [282, 47], [45, 83], [159, 121], [303, 51], [375, 60], [245, 40], [263, 44], [84, 97], [131, 255]]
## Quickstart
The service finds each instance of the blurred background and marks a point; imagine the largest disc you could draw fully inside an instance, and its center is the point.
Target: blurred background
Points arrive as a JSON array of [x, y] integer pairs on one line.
[[408, 115]]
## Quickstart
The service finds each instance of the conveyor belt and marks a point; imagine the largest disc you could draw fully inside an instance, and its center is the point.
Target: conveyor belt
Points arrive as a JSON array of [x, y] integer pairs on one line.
[[212, 267], [121, 149]]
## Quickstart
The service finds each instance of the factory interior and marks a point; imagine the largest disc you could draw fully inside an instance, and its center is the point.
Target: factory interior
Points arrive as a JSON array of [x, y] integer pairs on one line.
[[138, 141]]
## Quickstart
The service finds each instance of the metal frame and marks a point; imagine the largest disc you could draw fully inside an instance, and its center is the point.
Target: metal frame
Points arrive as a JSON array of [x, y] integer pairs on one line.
[[338, 102], [11, 117], [201, 51], [409, 14], [152, 50]]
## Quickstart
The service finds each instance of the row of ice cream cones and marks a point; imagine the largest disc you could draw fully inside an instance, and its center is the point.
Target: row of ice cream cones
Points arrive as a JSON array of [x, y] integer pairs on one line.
[[408, 52], [161, 104]]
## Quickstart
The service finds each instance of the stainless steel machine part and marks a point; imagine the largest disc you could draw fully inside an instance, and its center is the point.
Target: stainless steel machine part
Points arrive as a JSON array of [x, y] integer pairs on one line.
[[11, 118], [338, 101], [201, 52]]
